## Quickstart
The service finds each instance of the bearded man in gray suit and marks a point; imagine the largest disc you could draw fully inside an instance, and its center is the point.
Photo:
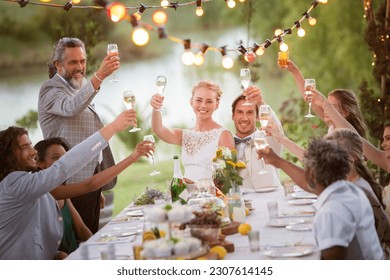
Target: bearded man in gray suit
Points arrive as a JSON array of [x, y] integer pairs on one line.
[[65, 110]]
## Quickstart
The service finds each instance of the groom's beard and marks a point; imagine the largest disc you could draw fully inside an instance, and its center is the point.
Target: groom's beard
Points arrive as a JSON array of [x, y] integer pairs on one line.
[[73, 82]]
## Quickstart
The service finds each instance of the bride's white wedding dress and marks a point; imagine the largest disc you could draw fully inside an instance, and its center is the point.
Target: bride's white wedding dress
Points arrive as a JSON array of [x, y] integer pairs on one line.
[[198, 150]]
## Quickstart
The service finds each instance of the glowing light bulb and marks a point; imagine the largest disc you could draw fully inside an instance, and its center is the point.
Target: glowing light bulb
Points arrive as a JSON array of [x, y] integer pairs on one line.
[[140, 36], [227, 62], [45, 1], [283, 47], [74, 1], [164, 4], [188, 57], [250, 57], [137, 16], [242, 1], [116, 11], [199, 11], [312, 21], [323, 1], [231, 3], [278, 32], [199, 59], [159, 17], [260, 51], [301, 32]]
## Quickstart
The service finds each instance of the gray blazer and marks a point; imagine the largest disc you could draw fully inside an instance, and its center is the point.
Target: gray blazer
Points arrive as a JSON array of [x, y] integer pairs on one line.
[[66, 112]]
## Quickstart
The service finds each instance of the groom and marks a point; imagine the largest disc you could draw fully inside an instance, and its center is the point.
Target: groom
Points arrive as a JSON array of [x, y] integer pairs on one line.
[[245, 118]]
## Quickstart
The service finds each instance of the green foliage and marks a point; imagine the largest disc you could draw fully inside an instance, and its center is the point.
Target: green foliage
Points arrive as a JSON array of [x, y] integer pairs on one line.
[[29, 121]]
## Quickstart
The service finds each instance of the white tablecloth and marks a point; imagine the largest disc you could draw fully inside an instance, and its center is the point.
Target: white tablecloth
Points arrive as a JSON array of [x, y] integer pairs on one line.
[[269, 236]]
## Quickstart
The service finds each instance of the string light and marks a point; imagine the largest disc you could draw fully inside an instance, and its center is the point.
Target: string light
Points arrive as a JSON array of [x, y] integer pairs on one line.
[[231, 3], [164, 4], [140, 35], [300, 31], [199, 9], [312, 21], [68, 6], [199, 57], [74, 1], [116, 11], [282, 45], [188, 56], [159, 18], [227, 61]]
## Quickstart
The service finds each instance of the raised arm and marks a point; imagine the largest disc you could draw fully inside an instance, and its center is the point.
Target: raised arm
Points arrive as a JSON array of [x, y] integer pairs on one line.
[[169, 135], [300, 81], [100, 179], [296, 173], [372, 153], [275, 130]]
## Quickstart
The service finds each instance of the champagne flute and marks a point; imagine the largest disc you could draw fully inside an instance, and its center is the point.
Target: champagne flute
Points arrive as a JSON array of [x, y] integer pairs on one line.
[[264, 115], [150, 138], [113, 48], [245, 77], [260, 140], [161, 82], [129, 101], [310, 86]]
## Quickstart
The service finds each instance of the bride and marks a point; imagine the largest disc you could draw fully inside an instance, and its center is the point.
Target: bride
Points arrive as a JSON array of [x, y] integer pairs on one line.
[[199, 143]]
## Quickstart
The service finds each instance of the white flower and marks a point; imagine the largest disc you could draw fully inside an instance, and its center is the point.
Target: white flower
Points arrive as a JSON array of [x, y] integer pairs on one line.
[[180, 213], [155, 214], [227, 153]]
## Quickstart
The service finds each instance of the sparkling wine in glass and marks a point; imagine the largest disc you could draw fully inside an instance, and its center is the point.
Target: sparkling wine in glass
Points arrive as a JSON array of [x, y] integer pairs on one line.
[[161, 82], [260, 140], [129, 101], [310, 86], [264, 115], [113, 48], [245, 78], [150, 138]]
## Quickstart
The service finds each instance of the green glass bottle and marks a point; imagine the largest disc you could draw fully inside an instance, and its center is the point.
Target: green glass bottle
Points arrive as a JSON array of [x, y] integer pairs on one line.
[[178, 186]]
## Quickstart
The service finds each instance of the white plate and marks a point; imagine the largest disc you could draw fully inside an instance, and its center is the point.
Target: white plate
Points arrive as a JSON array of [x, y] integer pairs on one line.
[[288, 251], [299, 227], [284, 222], [135, 213], [303, 195], [303, 201], [266, 189]]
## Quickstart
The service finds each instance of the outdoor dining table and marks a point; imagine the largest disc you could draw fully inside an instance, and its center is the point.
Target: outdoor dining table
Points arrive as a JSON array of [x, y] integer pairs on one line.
[[125, 231]]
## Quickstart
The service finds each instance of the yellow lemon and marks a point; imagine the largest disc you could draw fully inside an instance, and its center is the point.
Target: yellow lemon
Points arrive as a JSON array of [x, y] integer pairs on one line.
[[162, 233], [220, 251], [180, 258], [246, 211], [148, 235], [201, 258], [244, 228]]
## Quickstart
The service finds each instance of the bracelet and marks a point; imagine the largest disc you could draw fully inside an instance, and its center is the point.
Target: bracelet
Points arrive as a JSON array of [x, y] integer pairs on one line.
[[96, 76]]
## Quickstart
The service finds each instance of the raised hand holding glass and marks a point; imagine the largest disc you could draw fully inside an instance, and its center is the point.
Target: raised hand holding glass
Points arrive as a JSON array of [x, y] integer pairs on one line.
[[161, 82], [310, 86], [260, 140], [113, 48], [129, 101], [245, 78], [150, 138], [264, 115]]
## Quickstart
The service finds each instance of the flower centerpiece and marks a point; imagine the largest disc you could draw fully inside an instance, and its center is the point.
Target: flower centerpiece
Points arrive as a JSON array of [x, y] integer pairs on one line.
[[226, 169]]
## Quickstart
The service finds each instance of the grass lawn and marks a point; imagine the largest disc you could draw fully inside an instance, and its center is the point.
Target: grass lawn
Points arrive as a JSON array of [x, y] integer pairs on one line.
[[133, 181]]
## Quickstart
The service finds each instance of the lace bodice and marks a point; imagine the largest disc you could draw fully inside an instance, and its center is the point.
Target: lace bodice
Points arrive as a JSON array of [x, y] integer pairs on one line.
[[198, 150]]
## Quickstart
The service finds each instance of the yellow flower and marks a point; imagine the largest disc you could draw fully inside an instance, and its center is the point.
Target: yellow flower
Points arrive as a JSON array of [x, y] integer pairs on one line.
[[231, 163], [219, 153], [240, 164]]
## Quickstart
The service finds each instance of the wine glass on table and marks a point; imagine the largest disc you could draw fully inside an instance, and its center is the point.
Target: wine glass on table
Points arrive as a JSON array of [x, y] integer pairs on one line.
[[245, 78], [129, 101], [310, 86], [111, 49], [260, 140], [264, 115], [161, 82], [150, 138]]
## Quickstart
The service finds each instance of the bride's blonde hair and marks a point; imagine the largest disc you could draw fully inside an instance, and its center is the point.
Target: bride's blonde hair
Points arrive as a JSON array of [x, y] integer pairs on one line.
[[208, 85]]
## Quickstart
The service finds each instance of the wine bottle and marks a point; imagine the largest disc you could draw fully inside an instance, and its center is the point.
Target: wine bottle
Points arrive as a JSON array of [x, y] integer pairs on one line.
[[178, 186]]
